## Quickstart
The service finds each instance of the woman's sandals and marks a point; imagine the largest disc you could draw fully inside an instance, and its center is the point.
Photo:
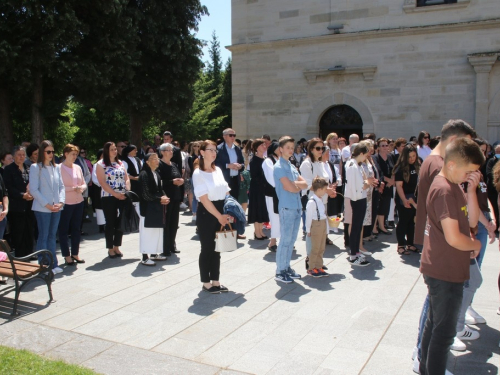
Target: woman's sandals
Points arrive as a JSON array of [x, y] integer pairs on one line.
[[403, 251]]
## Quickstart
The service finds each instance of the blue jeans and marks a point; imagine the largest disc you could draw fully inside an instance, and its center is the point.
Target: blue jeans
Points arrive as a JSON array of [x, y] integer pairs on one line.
[[445, 299], [47, 228], [470, 288], [482, 236], [194, 205], [421, 325], [289, 228], [3, 225]]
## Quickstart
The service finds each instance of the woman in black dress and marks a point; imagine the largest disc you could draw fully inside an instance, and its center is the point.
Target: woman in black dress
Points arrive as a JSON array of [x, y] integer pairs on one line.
[[257, 209], [171, 177]]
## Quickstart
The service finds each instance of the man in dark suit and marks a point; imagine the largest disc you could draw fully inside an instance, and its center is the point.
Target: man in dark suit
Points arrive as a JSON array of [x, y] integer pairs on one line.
[[177, 156], [230, 161]]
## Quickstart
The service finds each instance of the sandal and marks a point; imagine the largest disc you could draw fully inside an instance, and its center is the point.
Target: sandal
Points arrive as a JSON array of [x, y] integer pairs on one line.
[[402, 250], [412, 248]]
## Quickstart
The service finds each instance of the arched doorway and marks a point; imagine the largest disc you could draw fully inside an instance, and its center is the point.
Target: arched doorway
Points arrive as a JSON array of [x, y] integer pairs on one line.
[[341, 119]]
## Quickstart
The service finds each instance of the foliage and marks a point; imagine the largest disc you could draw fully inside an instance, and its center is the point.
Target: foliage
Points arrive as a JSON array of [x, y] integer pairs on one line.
[[226, 99], [23, 362]]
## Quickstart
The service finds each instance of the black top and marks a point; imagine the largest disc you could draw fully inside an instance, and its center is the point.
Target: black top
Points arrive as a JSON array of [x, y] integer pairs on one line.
[[131, 170], [191, 160], [410, 186], [257, 209], [168, 173], [151, 193], [3, 189], [16, 183], [385, 168]]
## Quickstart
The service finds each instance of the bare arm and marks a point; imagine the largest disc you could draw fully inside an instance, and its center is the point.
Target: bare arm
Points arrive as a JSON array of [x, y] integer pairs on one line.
[[456, 239]]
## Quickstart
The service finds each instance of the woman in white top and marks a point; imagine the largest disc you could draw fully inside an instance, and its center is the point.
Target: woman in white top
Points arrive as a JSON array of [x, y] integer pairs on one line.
[[273, 155], [114, 181], [355, 189], [423, 148], [313, 167], [210, 188]]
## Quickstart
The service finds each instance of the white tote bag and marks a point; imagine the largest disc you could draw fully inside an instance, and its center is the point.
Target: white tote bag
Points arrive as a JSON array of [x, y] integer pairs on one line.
[[225, 240]]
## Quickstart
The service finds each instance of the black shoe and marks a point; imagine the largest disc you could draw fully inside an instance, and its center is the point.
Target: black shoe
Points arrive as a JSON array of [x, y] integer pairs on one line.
[[222, 289], [272, 248], [166, 254], [101, 228], [390, 225], [307, 263], [175, 251], [324, 267], [213, 289], [386, 232]]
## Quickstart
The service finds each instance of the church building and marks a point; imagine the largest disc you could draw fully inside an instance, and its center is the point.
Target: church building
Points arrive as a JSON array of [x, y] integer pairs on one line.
[[389, 67]]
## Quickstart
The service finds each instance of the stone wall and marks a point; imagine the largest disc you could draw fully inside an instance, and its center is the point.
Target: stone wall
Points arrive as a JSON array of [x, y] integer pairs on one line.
[[400, 80]]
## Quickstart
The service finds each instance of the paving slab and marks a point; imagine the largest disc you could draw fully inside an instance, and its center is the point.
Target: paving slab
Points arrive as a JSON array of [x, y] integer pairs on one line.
[[119, 317]]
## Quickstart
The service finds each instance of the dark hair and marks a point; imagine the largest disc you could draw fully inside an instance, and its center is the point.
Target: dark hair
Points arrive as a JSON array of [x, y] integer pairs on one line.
[[105, 155], [168, 133], [99, 153], [4, 155], [342, 139], [382, 140], [256, 143], [421, 136], [403, 163], [318, 183], [399, 142], [203, 147], [457, 127], [127, 150], [310, 145], [41, 153], [31, 149], [464, 151], [267, 137], [285, 139], [360, 149], [248, 147], [370, 136], [413, 138], [70, 148], [434, 142]]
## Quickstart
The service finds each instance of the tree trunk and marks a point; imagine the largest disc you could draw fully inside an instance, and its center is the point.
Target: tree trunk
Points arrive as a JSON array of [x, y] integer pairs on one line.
[[36, 111], [135, 129], [7, 138]]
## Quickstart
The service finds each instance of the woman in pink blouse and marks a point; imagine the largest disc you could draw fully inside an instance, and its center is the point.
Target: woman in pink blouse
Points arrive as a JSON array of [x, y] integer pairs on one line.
[[72, 214]]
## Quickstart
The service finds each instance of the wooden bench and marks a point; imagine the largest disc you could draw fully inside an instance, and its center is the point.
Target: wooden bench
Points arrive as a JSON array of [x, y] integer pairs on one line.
[[23, 272]]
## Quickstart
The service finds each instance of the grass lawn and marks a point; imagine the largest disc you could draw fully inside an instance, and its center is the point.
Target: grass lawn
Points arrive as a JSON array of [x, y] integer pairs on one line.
[[22, 362]]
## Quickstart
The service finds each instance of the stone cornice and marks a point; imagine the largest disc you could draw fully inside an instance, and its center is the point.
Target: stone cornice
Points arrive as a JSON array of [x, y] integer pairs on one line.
[[483, 62], [366, 71], [379, 33]]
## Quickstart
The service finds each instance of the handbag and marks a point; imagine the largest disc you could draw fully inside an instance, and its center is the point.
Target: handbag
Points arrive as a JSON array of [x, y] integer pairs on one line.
[[225, 240]]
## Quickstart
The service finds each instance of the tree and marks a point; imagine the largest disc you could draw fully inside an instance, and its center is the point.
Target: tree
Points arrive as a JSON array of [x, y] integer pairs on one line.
[[226, 99], [35, 36], [201, 122], [214, 69], [161, 81]]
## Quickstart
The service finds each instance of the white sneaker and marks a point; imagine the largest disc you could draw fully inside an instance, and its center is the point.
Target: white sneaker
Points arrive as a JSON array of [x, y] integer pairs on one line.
[[360, 255], [365, 253], [468, 334], [193, 218], [183, 206], [148, 262], [416, 365], [473, 317], [415, 353], [458, 345], [57, 270], [158, 257]]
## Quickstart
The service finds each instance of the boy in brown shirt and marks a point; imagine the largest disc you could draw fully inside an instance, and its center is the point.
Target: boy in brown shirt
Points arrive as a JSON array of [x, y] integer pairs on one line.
[[448, 247]]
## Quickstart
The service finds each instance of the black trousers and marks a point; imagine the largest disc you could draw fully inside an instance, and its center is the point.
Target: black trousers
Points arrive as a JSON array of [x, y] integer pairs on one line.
[[445, 299], [113, 209], [22, 226], [358, 215], [170, 227], [208, 224], [335, 206], [70, 223], [234, 185], [406, 225]]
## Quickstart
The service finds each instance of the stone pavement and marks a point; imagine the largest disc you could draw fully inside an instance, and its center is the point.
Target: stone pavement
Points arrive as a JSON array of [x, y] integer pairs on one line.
[[118, 317]]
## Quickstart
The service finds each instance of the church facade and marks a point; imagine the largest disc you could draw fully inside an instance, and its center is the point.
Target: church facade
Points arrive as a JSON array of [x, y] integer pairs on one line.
[[389, 67]]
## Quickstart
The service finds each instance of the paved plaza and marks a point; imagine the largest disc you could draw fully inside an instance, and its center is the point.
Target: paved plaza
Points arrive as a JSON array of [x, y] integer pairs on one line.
[[117, 316]]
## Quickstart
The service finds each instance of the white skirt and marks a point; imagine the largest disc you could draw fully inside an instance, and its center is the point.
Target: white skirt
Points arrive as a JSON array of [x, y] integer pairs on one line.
[[150, 239], [101, 220]]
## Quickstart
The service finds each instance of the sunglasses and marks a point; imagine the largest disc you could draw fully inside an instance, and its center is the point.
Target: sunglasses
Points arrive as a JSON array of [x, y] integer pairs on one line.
[[49, 151], [319, 148], [426, 137], [231, 135]]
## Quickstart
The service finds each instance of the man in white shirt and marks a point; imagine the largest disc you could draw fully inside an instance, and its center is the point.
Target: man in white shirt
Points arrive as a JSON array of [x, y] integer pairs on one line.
[[346, 151]]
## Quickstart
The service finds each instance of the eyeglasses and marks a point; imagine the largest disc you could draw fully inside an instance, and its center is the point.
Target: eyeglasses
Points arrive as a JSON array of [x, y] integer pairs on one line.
[[231, 135], [319, 148], [426, 137], [212, 149], [49, 151]]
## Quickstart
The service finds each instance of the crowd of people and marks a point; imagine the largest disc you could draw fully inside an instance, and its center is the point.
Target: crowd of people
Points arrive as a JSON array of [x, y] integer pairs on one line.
[[442, 190]]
